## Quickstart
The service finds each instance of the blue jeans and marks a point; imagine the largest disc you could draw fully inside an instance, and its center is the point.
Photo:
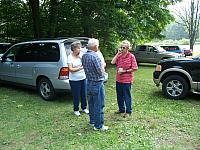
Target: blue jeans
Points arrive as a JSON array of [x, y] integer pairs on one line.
[[78, 89], [96, 98], [124, 96]]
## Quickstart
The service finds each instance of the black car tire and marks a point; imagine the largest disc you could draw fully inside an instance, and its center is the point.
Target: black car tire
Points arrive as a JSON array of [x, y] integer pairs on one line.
[[46, 90], [175, 87]]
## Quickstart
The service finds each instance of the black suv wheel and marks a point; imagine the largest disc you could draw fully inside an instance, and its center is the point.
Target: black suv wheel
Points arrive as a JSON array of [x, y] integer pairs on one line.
[[46, 90], [175, 87]]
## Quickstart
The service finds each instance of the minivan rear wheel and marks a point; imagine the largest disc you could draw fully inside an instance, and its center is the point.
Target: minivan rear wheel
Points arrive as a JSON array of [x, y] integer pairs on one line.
[[46, 90]]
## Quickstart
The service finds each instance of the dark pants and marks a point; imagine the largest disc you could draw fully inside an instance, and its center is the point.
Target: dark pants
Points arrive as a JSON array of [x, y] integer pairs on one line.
[[78, 89], [124, 96]]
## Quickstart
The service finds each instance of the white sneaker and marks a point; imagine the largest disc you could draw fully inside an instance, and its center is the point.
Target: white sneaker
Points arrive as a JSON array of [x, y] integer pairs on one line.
[[86, 111], [92, 125], [104, 128], [77, 113]]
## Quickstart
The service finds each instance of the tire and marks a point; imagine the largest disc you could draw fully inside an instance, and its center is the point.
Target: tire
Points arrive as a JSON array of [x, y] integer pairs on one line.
[[175, 87], [46, 90]]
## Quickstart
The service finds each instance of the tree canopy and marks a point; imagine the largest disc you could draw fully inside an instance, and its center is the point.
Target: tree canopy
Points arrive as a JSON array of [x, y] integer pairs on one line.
[[107, 20]]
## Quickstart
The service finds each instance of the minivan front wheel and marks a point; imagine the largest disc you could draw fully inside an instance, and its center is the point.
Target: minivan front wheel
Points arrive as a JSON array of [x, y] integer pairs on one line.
[[46, 90], [175, 87]]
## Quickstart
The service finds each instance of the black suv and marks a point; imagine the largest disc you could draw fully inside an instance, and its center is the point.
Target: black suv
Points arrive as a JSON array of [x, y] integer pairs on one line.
[[178, 76]]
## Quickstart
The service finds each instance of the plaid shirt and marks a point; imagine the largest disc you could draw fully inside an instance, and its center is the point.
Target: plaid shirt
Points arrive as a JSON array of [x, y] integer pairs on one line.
[[92, 66]]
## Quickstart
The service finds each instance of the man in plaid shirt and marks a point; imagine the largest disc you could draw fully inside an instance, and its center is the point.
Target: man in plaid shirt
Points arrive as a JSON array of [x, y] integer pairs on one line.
[[95, 88]]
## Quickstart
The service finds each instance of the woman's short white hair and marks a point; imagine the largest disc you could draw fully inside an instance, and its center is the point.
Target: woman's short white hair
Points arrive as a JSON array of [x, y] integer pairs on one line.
[[93, 42], [126, 42], [75, 44]]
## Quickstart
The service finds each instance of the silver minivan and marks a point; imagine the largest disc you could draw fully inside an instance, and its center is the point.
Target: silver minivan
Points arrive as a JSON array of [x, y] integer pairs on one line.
[[40, 64]]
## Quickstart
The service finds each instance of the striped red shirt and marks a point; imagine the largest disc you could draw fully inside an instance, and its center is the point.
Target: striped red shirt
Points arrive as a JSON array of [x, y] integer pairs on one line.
[[126, 62]]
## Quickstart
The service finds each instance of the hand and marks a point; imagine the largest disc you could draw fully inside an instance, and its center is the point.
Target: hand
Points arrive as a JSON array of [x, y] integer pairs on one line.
[[119, 51], [121, 70], [81, 67]]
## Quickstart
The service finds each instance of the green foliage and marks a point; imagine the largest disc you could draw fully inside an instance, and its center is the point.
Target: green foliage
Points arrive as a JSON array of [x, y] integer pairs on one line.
[[175, 31], [15, 20], [108, 20]]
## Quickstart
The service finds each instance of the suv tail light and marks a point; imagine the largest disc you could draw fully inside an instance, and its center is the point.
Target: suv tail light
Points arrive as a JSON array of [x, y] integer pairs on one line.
[[64, 73]]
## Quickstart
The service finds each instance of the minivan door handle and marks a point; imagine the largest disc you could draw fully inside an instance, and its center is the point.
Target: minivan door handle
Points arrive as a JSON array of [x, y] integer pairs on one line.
[[19, 66], [11, 65]]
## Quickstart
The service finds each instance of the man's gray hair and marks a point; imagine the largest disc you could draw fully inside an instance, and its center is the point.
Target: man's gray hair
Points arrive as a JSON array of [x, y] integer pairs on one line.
[[75, 44], [93, 42]]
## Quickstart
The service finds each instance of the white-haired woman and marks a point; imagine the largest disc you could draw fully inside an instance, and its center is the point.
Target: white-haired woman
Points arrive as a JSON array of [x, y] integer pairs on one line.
[[126, 64], [77, 78]]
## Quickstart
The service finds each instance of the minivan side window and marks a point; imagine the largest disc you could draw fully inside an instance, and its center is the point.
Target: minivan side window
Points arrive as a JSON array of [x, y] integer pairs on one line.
[[68, 48], [10, 55], [27, 53], [48, 52]]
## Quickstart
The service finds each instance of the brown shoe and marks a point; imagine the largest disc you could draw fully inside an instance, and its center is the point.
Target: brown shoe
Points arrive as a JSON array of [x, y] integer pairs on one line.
[[119, 112]]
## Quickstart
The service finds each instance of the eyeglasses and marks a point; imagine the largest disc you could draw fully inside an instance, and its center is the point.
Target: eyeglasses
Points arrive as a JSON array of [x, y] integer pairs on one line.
[[123, 47]]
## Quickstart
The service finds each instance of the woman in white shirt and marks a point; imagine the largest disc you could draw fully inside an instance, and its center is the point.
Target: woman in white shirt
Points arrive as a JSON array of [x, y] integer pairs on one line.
[[77, 78]]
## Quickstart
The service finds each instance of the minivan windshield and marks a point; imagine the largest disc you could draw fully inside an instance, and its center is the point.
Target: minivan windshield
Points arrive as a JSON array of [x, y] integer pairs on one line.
[[4, 47]]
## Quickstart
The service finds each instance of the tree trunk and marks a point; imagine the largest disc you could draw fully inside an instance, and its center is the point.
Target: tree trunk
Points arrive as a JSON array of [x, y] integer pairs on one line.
[[86, 21], [53, 14], [34, 6], [194, 22]]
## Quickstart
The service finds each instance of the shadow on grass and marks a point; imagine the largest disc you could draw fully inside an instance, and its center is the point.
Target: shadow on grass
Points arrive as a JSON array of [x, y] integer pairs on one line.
[[19, 89], [60, 96]]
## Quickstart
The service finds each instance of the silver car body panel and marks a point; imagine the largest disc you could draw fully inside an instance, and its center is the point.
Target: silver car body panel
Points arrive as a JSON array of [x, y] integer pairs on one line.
[[28, 72]]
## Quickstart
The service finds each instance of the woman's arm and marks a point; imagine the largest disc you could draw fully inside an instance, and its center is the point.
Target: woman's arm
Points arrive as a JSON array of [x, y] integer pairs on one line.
[[115, 58], [74, 69]]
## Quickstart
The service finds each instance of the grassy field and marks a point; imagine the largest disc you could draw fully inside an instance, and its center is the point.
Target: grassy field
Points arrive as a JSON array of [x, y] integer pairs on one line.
[[29, 123]]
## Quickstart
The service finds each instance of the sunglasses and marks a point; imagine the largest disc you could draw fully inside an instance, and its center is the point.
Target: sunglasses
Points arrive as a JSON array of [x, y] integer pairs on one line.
[[123, 47]]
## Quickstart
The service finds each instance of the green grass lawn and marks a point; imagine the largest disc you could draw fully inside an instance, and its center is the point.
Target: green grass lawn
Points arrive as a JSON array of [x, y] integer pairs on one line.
[[29, 123]]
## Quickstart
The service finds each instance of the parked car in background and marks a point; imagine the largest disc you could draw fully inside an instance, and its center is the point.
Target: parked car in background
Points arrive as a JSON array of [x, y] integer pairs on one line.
[[173, 48], [152, 54], [39, 64], [178, 76], [187, 52], [4, 47]]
